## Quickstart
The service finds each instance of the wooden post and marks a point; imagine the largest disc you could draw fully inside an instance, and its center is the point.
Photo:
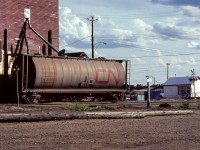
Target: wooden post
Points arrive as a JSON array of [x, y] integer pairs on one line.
[[50, 41]]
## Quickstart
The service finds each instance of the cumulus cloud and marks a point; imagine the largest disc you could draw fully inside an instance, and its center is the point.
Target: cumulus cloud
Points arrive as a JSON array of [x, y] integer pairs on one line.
[[191, 61], [161, 62], [178, 2], [190, 11], [71, 27], [167, 31], [140, 26], [173, 31], [158, 52], [193, 45], [137, 34], [138, 60], [122, 33], [177, 61]]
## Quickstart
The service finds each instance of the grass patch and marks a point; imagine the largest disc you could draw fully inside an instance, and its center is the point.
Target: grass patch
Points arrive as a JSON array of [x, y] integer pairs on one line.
[[110, 108], [81, 107], [198, 107], [185, 106]]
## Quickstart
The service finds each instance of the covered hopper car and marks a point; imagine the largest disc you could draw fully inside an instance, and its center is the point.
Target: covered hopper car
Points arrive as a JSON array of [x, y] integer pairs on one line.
[[67, 78]]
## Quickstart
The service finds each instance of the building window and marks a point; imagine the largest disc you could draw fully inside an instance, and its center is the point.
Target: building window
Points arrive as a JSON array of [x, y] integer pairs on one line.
[[183, 90]]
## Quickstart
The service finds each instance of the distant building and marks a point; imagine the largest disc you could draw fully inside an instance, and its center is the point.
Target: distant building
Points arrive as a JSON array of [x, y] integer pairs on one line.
[[141, 95], [181, 87], [77, 54]]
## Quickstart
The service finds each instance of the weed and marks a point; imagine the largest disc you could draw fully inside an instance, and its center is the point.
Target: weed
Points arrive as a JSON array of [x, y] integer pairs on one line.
[[185, 106], [110, 108], [81, 107], [198, 107]]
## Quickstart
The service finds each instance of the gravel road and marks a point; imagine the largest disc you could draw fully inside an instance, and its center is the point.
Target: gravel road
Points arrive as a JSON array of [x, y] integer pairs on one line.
[[152, 133]]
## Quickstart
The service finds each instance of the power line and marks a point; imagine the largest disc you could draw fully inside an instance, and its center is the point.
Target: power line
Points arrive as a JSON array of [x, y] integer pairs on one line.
[[128, 16], [172, 64], [169, 55], [76, 41], [179, 32]]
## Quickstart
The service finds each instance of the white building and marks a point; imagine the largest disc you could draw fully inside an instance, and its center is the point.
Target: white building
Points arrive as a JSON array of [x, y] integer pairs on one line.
[[181, 87]]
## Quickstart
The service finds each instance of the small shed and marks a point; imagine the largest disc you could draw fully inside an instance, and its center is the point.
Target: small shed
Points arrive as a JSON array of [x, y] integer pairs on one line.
[[181, 87], [138, 95], [142, 94], [77, 54]]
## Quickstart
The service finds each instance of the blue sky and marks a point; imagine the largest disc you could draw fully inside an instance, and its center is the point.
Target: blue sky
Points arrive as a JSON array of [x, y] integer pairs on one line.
[[150, 33]]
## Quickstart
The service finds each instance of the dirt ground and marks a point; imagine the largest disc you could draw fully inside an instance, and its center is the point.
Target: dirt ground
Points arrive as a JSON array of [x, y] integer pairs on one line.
[[152, 133]]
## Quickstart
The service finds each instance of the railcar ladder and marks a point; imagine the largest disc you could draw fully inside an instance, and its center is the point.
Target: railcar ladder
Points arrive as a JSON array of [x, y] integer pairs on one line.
[[25, 73]]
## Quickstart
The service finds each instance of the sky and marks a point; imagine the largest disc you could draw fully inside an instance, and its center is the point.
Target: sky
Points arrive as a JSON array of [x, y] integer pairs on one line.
[[149, 33]]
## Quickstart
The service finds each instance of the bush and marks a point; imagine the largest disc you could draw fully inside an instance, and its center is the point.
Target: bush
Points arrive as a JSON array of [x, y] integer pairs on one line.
[[164, 105]]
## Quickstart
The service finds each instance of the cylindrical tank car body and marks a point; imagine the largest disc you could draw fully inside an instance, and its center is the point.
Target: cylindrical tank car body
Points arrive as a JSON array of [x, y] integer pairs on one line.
[[69, 77]]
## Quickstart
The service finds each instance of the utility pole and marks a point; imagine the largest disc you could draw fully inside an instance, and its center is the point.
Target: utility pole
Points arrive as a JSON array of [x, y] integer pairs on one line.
[[154, 80], [193, 78], [168, 70], [92, 36]]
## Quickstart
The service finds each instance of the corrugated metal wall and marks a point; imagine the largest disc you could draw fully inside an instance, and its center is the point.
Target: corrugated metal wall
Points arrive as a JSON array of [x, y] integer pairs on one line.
[[44, 16]]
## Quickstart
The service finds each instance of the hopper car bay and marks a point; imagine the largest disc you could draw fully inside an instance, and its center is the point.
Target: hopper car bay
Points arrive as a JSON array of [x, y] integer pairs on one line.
[[58, 77]]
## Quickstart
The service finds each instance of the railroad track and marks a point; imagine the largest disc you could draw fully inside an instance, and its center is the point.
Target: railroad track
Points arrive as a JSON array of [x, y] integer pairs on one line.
[[193, 103]]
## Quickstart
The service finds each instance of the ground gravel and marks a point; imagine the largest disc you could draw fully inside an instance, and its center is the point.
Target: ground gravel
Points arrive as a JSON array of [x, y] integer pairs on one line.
[[151, 133]]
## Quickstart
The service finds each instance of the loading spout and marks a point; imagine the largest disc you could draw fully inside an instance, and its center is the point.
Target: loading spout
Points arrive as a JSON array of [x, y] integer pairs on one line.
[[49, 44]]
